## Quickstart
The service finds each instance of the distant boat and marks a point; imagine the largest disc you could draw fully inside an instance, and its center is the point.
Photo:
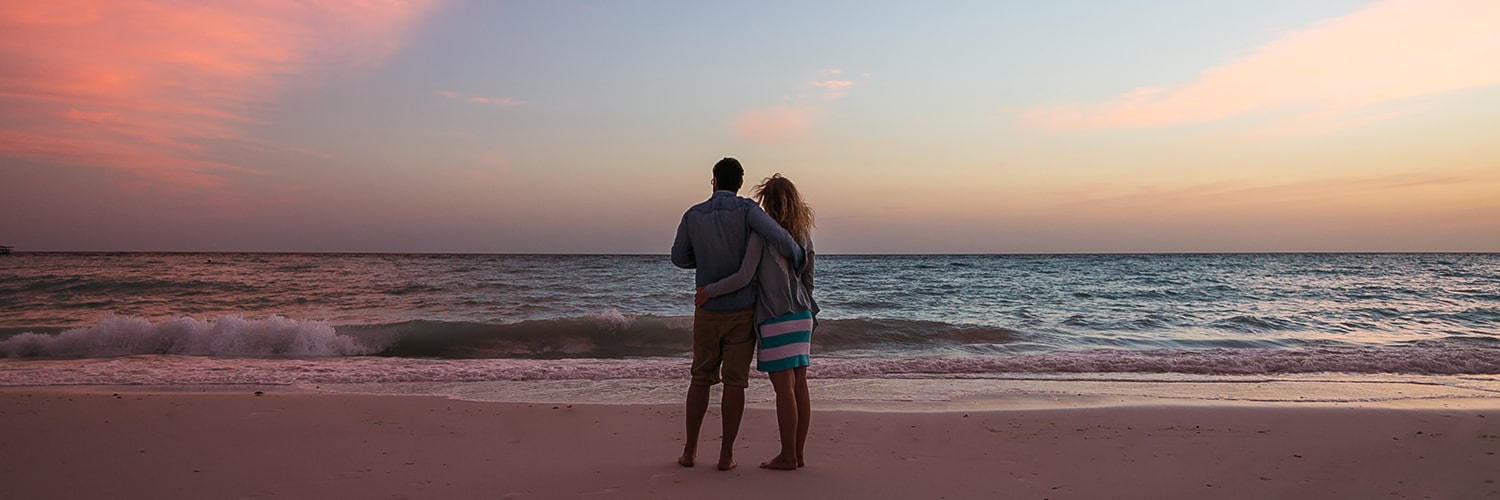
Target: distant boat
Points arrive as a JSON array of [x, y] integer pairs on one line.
[[4, 250]]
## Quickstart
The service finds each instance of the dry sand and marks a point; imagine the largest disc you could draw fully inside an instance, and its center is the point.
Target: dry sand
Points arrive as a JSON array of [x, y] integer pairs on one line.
[[104, 443]]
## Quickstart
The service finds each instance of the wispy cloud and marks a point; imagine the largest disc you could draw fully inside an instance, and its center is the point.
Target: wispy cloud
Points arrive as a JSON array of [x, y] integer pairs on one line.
[[475, 99], [830, 85], [1296, 196], [794, 119], [833, 89], [1331, 75], [144, 86]]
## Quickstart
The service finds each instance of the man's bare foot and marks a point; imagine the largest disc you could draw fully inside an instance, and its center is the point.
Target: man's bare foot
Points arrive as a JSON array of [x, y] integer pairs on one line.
[[780, 463], [685, 460]]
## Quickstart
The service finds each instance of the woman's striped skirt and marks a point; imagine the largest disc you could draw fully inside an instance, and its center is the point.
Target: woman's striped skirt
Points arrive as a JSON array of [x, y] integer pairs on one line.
[[784, 341]]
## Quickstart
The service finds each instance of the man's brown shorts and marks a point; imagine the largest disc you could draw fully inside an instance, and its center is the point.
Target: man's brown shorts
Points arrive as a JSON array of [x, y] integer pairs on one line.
[[723, 342]]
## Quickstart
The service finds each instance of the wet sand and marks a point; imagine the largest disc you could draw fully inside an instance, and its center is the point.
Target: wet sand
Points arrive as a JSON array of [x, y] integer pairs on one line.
[[105, 443]]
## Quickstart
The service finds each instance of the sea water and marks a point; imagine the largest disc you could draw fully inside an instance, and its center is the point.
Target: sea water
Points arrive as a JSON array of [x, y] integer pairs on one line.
[[616, 328]]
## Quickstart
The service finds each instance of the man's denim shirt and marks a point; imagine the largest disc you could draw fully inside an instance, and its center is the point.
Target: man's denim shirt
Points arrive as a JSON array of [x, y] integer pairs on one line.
[[712, 238]]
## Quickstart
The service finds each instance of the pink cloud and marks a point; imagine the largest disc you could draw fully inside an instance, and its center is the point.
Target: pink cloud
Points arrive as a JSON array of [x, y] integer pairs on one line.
[[776, 125], [142, 160], [1368, 194], [794, 120], [474, 99], [1393, 50], [834, 89], [830, 88], [142, 86]]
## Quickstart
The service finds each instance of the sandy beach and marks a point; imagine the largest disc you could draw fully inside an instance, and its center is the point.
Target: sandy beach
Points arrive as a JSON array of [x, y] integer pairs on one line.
[[114, 443]]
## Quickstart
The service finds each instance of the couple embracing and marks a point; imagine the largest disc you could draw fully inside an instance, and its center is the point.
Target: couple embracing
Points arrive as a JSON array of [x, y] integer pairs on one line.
[[754, 267]]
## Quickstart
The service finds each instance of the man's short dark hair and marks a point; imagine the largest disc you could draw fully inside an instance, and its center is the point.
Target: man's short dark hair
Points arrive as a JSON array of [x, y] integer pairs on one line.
[[728, 174]]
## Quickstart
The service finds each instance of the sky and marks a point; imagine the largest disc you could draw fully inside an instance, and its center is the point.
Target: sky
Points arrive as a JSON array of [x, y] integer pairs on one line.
[[494, 126]]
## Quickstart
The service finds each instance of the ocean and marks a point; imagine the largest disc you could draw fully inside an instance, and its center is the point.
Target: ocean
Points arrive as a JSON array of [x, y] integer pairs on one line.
[[893, 328]]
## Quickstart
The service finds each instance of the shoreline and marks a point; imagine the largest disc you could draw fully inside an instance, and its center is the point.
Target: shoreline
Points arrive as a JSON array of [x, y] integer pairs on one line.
[[94, 442], [1003, 393], [922, 395]]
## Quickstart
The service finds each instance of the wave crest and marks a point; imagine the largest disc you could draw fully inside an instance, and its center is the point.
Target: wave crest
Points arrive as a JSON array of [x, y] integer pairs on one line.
[[608, 334], [274, 336]]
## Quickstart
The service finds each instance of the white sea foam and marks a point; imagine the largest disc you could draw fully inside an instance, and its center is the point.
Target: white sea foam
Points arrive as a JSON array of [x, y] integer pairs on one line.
[[612, 317], [198, 370], [225, 336]]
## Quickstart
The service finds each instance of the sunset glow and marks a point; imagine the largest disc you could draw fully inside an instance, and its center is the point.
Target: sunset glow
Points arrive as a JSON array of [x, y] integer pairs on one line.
[[469, 126], [144, 86], [1390, 51]]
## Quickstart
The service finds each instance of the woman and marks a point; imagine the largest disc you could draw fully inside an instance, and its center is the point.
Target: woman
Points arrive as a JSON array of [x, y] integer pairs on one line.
[[784, 312]]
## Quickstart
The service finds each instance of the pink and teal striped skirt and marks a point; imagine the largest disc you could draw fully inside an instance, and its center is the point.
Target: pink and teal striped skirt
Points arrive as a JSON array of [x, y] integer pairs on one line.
[[784, 342]]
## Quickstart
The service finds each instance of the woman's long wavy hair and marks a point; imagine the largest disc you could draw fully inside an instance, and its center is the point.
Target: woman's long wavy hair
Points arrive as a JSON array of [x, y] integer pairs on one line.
[[780, 199]]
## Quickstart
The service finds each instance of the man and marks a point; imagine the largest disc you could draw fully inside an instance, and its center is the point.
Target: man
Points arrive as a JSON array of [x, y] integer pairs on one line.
[[711, 239]]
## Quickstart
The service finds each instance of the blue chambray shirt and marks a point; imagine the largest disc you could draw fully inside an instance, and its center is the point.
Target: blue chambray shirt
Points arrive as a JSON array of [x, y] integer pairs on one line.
[[712, 238]]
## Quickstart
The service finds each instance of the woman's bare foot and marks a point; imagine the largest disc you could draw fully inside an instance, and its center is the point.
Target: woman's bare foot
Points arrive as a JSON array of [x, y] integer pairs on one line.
[[780, 463], [726, 460], [685, 460]]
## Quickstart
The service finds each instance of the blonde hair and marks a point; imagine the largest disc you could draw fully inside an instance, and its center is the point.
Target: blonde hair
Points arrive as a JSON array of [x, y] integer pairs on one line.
[[780, 199]]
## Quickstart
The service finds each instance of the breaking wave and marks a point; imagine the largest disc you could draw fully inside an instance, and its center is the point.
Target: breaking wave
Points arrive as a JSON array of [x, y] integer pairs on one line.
[[596, 346], [113, 336], [605, 335]]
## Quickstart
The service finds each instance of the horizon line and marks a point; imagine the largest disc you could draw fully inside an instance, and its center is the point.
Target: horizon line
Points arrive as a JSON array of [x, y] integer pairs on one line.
[[840, 254]]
